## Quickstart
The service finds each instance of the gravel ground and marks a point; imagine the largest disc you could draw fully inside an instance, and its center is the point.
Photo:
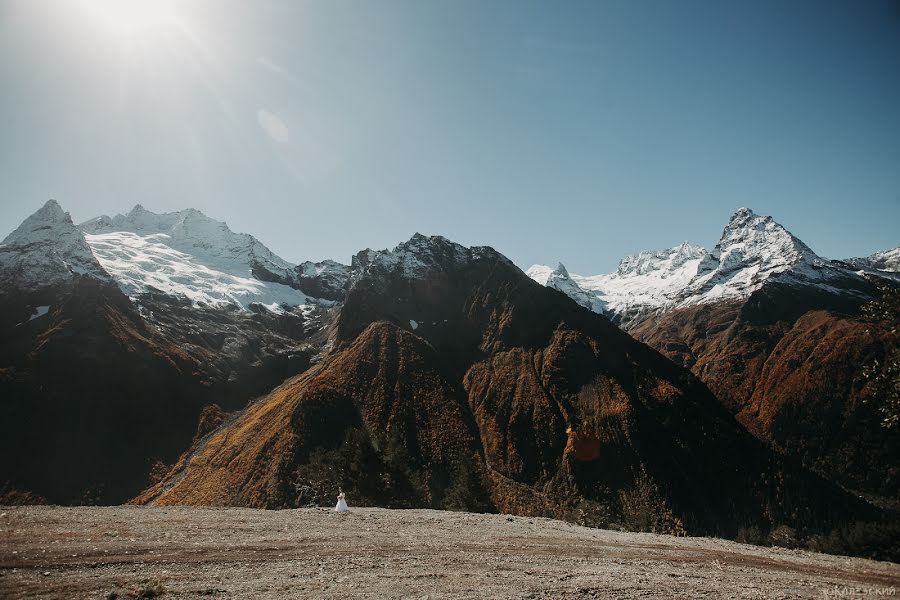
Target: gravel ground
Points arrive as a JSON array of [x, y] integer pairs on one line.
[[131, 551]]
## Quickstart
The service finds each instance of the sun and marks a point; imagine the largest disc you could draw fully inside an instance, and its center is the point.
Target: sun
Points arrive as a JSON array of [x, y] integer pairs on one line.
[[130, 17]]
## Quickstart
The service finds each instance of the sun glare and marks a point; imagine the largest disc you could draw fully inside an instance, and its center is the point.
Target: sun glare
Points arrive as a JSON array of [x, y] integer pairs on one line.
[[133, 16]]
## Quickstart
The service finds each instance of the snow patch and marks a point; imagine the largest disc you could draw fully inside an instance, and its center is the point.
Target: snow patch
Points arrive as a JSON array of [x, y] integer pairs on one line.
[[145, 263], [40, 311]]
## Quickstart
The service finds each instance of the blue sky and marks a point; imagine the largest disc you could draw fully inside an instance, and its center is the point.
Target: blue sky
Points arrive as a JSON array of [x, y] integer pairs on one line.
[[553, 131]]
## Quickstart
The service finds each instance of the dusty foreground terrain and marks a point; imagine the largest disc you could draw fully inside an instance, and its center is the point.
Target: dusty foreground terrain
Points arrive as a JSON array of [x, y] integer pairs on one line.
[[129, 551]]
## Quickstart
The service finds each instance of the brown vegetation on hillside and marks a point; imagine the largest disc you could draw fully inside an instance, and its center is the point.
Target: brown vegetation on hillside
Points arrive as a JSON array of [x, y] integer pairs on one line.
[[795, 376]]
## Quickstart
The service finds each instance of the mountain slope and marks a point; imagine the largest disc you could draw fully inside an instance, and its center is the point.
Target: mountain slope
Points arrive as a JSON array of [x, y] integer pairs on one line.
[[387, 380], [91, 397], [773, 330], [97, 386], [469, 368]]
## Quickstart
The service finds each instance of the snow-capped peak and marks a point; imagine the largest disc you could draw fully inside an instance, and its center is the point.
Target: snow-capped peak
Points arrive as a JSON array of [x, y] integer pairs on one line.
[[540, 273], [561, 271], [188, 254], [42, 225], [753, 239], [751, 250], [885, 261], [419, 255], [560, 280], [191, 231], [46, 249]]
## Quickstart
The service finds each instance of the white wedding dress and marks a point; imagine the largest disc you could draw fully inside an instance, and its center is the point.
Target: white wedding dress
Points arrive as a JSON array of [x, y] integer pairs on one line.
[[342, 504]]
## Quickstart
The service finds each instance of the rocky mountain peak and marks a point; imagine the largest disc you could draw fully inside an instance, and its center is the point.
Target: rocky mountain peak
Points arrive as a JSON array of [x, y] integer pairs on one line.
[[561, 271], [560, 280], [431, 245], [52, 211], [741, 216], [423, 254], [327, 279], [749, 238], [46, 249], [752, 249], [46, 222]]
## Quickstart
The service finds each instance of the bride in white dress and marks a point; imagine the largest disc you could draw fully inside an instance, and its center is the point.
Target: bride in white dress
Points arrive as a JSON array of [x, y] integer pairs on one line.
[[342, 504]]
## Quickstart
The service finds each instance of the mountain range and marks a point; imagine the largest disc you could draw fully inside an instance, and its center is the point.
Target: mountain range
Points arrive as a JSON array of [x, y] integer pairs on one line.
[[774, 330], [752, 251], [163, 358]]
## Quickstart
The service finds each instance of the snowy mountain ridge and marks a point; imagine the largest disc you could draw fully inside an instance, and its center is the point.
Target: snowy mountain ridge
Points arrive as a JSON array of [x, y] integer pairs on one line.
[[46, 249], [886, 261], [669, 260], [752, 249], [193, 232], [418, 255], [190, 255]]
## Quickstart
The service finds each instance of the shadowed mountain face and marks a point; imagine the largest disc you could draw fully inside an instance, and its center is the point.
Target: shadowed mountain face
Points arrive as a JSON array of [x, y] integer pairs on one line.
[[94, 393], [90, 393], [796, 367], [457, 381]]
